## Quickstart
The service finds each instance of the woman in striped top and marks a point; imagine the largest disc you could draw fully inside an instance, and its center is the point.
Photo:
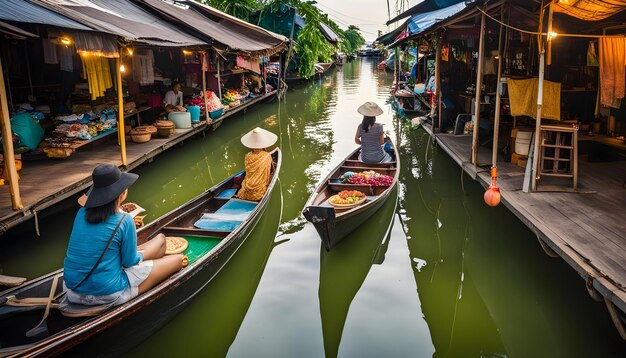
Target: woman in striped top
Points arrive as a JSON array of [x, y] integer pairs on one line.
[[370, 135]]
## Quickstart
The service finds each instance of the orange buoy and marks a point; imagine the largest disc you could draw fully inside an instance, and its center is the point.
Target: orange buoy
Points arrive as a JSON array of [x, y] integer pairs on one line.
[[492, 195]]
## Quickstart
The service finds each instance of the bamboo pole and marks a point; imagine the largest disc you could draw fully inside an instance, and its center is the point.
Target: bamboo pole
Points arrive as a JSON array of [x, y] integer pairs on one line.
[[120, 110], [542, 69], [496, 120], [479, 84], [7, 145], [219, 76], [205, 60]]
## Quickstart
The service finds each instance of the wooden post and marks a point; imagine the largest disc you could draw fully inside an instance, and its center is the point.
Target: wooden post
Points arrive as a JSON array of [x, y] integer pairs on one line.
[[120, 109], [7, 145], [496, 120], [479, 84], [205, 60], [219, 76], [438, 81], [542, 68]]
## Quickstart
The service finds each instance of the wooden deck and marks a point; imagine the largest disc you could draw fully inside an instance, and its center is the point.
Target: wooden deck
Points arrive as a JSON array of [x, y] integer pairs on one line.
[[586, 228], [48, 182]]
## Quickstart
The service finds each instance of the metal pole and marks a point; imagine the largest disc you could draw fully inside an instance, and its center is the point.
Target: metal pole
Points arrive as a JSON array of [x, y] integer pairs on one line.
[[7, 145], [205, 60], [542, 67], [120, 109], [479, 84], [496, 121]]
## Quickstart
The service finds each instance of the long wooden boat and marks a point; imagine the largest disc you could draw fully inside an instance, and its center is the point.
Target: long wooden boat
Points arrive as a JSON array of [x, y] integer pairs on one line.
[[117, 329], [333, 224]]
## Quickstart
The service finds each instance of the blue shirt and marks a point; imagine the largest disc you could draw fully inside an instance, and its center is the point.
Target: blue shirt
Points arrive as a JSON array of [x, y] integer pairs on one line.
[[87, 242]]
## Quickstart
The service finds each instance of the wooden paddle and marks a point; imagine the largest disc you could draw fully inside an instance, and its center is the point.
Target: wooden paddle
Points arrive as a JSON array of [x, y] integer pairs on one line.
[[11, 281]]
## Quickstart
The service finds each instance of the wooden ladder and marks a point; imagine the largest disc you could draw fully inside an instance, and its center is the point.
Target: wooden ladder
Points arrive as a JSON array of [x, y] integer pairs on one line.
[[563, 161]]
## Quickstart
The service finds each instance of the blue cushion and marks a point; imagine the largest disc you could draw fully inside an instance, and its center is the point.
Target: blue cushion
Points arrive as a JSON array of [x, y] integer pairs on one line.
[[227, 194], [216, 225], [228, 217]]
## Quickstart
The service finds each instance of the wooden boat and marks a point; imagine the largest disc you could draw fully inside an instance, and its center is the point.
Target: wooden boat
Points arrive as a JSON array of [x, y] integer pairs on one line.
[[209, 250], [333, 224]]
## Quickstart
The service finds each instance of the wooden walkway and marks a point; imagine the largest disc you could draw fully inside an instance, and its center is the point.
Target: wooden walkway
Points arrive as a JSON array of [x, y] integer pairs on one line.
[[586, 228], [47, 182]]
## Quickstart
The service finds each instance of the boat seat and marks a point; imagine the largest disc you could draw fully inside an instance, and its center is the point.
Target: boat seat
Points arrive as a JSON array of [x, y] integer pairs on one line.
[[380, 170], [228, 217], [359, 164], [75, 310], [227, 194], [363, 188]]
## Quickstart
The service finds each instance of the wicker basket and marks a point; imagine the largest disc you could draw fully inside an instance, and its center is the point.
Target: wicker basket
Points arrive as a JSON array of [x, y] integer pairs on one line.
[[151, 129], [164, 128], [140, 135]]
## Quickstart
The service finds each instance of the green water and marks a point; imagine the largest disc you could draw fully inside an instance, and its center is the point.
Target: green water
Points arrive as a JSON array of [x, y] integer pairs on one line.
[[435, 273]]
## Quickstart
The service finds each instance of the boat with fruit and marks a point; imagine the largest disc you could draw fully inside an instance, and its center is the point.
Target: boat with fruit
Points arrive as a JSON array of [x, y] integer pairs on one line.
[[214, 226], [349, 195]]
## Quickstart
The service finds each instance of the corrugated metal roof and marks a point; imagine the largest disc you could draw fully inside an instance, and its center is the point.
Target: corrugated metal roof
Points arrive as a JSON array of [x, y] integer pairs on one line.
[[27, 12], [328, 32], [213, 25], [122, 18]]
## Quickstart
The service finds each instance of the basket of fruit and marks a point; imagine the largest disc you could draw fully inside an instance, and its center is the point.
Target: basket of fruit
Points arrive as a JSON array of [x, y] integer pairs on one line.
[[347, 199]]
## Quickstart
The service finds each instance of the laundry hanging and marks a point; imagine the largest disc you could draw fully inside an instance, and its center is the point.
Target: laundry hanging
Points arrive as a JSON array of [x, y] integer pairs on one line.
[[50, 52], [66, 58], [98, 73], [612, 71], [143, 67], [523, 98]]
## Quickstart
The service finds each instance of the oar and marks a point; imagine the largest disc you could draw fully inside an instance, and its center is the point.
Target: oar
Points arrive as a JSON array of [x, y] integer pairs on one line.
[[42, 327]]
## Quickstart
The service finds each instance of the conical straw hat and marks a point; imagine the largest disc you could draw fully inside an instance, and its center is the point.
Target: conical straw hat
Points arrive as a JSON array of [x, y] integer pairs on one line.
[[370, 109], [259, 138]]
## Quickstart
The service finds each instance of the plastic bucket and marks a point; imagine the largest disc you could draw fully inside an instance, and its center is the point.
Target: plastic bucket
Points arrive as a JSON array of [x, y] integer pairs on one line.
[[522, 145], [216, 114], [195, 113], [181, 120]]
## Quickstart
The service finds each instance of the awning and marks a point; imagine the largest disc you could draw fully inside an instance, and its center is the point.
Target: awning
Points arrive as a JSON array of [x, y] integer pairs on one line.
[[26, 12], [212, 25], [331, 36], [420, 22], [15, 32], [590, 10], [423, 7], [391, 37], [124, 19]]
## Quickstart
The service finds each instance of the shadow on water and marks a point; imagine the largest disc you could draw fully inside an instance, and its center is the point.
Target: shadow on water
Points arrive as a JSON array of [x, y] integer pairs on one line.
[[344, 269]]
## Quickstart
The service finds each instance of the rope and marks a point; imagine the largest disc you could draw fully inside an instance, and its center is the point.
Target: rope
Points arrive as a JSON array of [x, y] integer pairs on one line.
[[36, 223], [543, 33]]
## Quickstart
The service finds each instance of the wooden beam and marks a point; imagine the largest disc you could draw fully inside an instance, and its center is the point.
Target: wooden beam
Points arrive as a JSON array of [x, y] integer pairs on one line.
[[438, 82], [205, 64], [479, 84], [7, 145], [496, 120], [120, 110]]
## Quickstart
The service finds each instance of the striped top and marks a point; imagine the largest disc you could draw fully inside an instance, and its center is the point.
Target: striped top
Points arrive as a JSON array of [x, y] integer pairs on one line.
[[371, 150]]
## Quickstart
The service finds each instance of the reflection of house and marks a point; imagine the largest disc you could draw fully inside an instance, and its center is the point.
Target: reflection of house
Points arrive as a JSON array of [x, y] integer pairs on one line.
[[504, 67]]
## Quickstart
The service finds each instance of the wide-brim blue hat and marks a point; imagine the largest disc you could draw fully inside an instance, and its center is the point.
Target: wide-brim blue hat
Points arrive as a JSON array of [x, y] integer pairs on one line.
[[109, 182]]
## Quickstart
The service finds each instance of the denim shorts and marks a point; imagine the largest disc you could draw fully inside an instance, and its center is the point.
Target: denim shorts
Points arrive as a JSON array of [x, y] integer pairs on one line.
[[136, 276]]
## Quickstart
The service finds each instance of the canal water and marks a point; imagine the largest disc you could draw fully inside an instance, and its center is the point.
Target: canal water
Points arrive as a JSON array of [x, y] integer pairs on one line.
[[434, 273]]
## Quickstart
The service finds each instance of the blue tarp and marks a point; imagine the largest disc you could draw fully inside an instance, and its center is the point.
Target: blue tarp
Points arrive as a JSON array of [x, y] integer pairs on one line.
[[420, 22]]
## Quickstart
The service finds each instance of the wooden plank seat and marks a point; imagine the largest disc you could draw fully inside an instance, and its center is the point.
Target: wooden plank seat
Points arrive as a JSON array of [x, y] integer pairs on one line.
[[359, 164], [191, 231], [379, 170], [363, 188]]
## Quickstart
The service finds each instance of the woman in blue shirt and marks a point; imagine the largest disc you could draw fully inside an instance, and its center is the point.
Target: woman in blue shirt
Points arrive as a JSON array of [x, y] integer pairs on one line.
[[102, 264]]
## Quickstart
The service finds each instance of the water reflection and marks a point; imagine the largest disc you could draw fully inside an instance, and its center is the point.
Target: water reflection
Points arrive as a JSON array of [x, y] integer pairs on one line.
[[344, 269]]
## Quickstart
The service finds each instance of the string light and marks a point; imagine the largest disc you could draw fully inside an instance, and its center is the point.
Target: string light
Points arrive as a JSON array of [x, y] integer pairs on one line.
[[130, 51], [66, 40], [552, 35], [122, 68], [187, 52]]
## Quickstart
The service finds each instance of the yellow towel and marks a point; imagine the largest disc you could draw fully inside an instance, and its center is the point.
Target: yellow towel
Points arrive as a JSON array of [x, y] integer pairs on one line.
[[523, 98], [98, 73], [612, 72], [258, 168]]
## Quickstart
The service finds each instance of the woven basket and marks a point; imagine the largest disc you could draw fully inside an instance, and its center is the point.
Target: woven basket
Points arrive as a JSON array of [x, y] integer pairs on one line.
[[140, 135], [164, 128], [151, 129]]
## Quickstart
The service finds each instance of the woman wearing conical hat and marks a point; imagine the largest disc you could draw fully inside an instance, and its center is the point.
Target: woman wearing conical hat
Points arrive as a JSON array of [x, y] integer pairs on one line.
[[258, 164], [370, 135]]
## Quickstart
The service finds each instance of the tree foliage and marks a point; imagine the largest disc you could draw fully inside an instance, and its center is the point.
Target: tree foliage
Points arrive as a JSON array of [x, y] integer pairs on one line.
[[238, 8]]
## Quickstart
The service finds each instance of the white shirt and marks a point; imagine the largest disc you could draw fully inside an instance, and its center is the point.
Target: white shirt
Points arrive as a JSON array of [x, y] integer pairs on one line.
[[174, 99]]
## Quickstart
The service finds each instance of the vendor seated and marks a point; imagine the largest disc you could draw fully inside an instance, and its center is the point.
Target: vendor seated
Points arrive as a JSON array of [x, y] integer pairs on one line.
[[173, 100], [258, 164], [370, 135], [103, 265]]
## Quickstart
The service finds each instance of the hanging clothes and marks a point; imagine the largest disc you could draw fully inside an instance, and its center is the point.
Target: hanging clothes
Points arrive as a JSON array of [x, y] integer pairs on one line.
[[98, 73], [523, 98], [143, 67], [50, 52], [592, 54], [66, 58], [612, 71]]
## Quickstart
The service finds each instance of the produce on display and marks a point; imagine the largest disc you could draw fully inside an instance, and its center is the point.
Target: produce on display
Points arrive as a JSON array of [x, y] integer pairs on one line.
[[347, 198], [368, 177]]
